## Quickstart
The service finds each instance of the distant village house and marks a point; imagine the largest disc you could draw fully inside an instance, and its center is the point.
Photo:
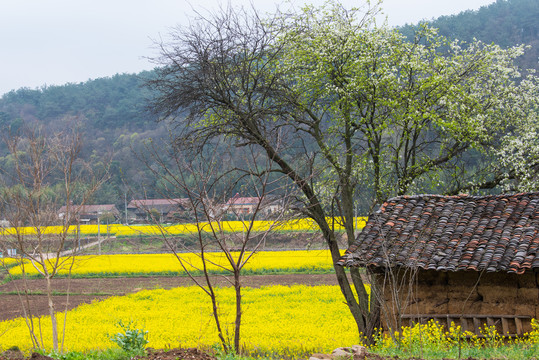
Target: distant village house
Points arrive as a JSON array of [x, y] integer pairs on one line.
[[161, 210], [90, 214], [242, 206]]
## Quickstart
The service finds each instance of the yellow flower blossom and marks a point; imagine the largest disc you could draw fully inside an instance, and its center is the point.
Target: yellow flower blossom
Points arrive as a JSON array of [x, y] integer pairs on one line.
[[179, 229], [131, 264], [276, 319]]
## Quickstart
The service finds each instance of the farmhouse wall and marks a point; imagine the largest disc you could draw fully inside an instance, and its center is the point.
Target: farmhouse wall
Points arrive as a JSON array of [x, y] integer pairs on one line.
[[461, 292]]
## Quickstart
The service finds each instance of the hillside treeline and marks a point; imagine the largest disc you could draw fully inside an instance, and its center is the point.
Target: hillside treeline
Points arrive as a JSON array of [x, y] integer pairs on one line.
[[505, 22], [111, 115]]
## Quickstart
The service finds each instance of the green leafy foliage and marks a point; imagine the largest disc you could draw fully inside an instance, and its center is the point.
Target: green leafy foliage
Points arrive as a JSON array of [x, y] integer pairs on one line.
[[109, 113], [131, 340], [407, 115]]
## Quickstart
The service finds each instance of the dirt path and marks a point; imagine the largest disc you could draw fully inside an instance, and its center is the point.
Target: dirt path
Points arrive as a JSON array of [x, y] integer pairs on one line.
[[95, 243], [88, 290]]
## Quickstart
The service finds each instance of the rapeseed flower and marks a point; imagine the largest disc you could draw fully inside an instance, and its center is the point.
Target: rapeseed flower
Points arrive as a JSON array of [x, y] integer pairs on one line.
[[180, 229], [168, 264], [276, 319]]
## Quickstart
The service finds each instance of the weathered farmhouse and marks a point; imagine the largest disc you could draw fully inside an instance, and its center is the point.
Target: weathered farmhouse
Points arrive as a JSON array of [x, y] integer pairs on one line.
[[464, 259]]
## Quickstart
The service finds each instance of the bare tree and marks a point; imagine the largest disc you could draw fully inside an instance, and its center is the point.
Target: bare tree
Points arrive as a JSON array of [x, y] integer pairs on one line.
[[203, 182], [46, 173]]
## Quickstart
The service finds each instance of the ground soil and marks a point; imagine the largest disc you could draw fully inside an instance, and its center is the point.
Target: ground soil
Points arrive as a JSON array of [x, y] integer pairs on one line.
[[191, 354], [187, 354], [89, 290]]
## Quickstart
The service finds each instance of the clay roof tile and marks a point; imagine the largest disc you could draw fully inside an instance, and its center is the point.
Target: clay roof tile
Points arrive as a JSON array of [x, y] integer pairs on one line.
[[450, 233]]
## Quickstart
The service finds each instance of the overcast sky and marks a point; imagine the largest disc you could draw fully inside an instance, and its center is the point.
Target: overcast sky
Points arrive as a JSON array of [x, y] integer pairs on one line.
[[53, 42]]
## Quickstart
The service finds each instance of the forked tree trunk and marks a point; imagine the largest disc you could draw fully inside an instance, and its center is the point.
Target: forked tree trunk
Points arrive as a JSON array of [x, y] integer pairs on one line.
[[358, 307], [368, 305]]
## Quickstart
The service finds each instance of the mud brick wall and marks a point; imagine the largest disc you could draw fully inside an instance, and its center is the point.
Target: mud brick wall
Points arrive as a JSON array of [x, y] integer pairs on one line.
[[461, 292]]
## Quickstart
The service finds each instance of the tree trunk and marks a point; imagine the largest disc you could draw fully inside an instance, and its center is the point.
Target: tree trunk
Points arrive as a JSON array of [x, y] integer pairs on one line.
[[237, 323], [346, 290], [368, 312], [359, 309], [52, 313], [217, 322]]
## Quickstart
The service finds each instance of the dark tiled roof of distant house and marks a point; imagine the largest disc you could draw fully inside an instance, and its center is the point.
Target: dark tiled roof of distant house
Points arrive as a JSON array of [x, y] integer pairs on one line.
[[451, 233], [237, 200], [142, 203], [86, 209]]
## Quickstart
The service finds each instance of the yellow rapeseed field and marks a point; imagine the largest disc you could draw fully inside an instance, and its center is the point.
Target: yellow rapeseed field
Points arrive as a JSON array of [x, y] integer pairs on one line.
[[8, 261], [291, 321], [131, 264], [281, 319], [179, 229]]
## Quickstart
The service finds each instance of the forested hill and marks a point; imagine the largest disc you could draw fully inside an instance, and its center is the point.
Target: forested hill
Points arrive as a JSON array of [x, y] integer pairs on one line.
[[505, 22], [105, 103], [111, 112]]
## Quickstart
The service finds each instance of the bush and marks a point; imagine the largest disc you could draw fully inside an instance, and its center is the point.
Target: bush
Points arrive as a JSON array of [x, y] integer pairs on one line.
[[131, 340]]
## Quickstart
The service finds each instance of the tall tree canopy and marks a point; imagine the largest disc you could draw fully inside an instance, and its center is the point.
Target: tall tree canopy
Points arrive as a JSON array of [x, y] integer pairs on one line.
[[403, 111], [347, 109]]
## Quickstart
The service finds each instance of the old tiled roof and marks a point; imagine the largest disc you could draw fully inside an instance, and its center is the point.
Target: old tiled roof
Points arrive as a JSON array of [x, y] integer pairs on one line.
[[144, 203], [88, 209], [451, 233], [238, 200]]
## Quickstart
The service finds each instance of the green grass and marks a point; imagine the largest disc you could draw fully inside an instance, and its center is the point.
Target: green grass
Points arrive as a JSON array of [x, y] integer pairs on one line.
[[513, 352], [56, 293], [155, 243], [245, 272], [109, 354]]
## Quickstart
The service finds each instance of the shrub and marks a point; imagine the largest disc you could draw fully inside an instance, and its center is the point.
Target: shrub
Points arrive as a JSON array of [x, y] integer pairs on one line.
[[131, 340]]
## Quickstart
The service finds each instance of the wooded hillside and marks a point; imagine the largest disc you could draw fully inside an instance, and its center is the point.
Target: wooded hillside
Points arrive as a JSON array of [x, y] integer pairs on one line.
[[112, 116], [505, 22]]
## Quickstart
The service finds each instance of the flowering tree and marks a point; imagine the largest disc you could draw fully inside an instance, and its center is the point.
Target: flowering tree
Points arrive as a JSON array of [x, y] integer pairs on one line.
[[405, 111], [364, 112]]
